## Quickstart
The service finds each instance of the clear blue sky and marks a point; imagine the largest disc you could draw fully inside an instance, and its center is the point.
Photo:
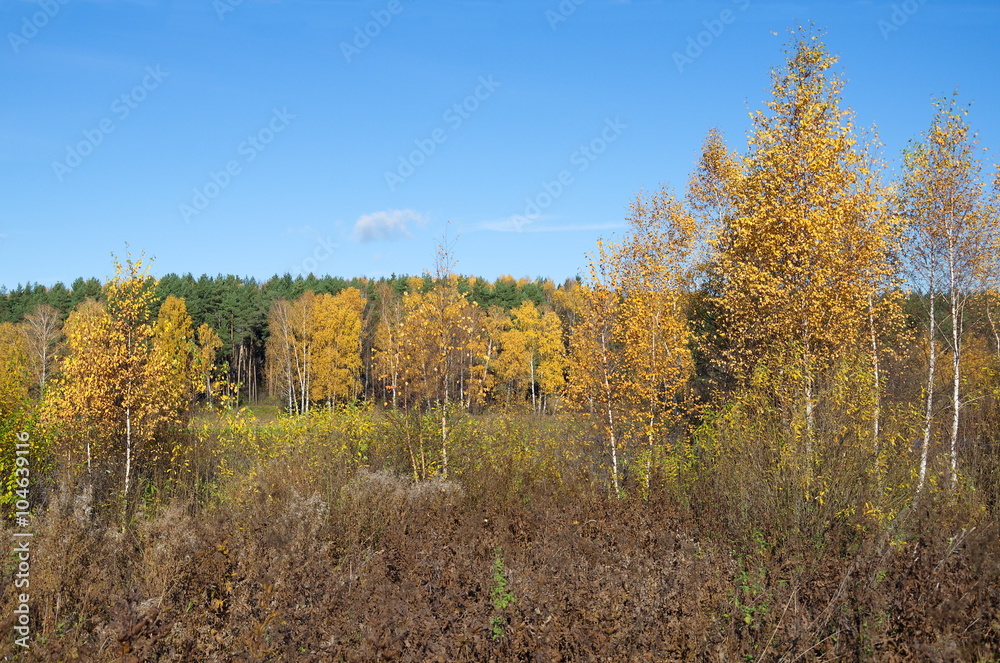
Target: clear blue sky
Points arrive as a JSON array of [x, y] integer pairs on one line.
[[116, 114]]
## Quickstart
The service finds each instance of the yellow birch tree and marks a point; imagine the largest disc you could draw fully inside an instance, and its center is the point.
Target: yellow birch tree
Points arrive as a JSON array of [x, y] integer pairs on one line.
[[796, 254], [209, 345], [116, 391], [337, 340], [653, 330], [953, 240], [596, 382]]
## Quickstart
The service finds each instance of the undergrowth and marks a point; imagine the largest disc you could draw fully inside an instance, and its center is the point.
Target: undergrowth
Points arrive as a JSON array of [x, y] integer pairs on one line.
[[337, 537]]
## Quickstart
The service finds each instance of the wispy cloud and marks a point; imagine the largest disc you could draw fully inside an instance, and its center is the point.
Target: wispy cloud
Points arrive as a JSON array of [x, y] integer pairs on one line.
[[519, 224], [386, 225]]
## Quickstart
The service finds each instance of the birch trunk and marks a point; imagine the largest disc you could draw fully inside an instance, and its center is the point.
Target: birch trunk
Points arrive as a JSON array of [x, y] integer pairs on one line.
[[929, 412]]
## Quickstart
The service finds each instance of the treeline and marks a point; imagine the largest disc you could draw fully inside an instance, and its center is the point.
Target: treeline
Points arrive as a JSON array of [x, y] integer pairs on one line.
[[237, 309]]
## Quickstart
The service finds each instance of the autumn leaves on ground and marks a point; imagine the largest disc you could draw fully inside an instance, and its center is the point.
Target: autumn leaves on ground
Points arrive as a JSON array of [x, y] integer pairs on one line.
[[761, 426]]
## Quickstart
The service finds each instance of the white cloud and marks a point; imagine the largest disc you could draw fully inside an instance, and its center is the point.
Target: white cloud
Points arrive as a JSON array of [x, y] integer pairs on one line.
[[386, 225], [521, 224]]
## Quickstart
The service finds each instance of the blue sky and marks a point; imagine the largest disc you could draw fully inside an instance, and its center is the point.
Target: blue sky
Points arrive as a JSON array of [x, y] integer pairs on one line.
[[258, 137]]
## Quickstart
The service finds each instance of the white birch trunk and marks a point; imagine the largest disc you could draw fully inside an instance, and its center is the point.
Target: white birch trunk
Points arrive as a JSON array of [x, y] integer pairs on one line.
[[929, 412], [128, 449]]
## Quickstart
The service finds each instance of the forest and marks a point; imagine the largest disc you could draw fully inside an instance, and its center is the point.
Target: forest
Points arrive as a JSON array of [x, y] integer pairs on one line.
[[762, 423]]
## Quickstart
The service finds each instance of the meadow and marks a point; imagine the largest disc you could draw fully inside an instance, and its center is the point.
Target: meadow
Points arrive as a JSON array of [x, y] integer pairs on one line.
[[313, 538]]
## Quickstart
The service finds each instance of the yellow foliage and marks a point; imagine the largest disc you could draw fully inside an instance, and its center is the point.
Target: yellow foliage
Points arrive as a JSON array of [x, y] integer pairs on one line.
[[531, 352], [13, 370], [337, 341], [124, 380], [629, 349]]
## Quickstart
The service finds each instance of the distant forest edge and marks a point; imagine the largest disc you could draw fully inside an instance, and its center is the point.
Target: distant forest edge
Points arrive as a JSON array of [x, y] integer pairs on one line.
[[237, 308]]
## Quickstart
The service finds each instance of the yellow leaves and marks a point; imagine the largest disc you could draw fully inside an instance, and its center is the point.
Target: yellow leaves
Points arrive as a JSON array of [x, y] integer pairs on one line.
[[13, 369], [170, 371], [85, 397], [807, 236], [431, 347], [712, 186], [336, 320], [531, 350], [880, 516], [209, 344], [629, 348], [314, 348], [951, 220], [123, 379]]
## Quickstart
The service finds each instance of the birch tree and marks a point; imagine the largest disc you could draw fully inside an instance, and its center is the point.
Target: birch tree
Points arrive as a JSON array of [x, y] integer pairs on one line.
[[952, 239], [795, 254], [596, 385], [653, 331], [125, 378], [41, 331], [337, 338], [14, 372], [388, 347], [209, 345]]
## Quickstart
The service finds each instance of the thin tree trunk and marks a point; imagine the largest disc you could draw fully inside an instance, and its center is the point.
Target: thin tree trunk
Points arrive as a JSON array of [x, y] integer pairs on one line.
[[238, 355], [45, 361], [929, 412], [534, 403], [611, 420], [877, 379], [395, 388], [614, 451], [444, 433], [810, 416], [420, 439], [409, 447], [128, 451], [956, 338], [649, 459], [993, 326]]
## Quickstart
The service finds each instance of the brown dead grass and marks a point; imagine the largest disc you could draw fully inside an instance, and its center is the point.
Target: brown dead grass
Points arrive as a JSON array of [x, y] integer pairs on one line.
[[347, 564]]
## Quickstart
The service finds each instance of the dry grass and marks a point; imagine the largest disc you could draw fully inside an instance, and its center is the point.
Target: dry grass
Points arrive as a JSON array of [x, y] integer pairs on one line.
[[319, 555]]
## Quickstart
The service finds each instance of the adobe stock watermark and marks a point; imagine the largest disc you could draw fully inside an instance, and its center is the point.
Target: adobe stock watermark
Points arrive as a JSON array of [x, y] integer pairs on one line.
[[22, 539], [562, 13], [364, 34], [581, 160], [714, 27], [249, 149], [322, 252], [30, 26], [121, 107], [223, 7], [455, 116], [900, 15]]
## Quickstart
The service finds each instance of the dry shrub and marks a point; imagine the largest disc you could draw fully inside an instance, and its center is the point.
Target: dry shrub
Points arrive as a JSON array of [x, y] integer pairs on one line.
[[330, 561]]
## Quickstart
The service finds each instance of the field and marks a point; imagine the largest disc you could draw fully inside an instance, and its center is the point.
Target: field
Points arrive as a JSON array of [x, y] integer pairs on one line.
[[317, 544]]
